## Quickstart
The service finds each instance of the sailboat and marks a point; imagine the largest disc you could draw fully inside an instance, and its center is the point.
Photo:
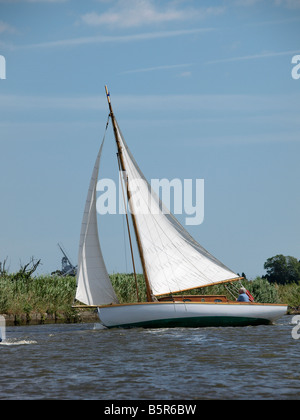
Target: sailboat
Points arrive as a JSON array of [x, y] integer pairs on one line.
[[173, 263]]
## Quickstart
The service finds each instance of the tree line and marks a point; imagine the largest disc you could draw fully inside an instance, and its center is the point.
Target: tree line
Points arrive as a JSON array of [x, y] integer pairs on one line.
[[282, 269]]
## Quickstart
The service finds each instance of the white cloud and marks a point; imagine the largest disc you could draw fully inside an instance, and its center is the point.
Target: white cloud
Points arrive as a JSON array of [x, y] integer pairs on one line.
[[254, 56], [46, 1], [246, 2], [121, 38], [150, 69], [185, 74], [133, 13], [5, 27], [33, 1], [271, 111], [290, 4]]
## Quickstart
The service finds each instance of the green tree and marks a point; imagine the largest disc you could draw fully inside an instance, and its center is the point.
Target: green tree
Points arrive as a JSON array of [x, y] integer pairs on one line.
[[282, 270]]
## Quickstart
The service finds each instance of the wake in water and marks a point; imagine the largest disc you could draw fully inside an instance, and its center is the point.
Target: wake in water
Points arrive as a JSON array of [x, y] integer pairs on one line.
[[11, 341], [2, 328], [99, 326], [15, 342]]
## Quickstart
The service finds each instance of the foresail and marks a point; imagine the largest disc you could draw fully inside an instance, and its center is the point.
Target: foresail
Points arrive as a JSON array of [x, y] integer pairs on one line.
[[174, 260], [93, 283]]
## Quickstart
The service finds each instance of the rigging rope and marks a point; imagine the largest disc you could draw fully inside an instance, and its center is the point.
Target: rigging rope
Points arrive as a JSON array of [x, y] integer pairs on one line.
[[127, 221]]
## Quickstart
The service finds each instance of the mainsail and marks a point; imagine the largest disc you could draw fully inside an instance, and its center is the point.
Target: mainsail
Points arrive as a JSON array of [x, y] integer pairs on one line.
[[174, 261], [93, 284]]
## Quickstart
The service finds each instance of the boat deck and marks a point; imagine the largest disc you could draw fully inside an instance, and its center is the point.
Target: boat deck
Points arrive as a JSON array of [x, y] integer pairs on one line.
[[194, 298]]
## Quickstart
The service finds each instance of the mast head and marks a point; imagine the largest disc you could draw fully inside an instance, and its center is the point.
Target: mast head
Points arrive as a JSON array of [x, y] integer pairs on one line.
[[109, 103], [107, 94]]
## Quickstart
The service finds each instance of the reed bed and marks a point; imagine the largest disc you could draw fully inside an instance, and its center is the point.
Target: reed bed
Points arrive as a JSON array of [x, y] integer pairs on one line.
[[54, 295], [43, 295]]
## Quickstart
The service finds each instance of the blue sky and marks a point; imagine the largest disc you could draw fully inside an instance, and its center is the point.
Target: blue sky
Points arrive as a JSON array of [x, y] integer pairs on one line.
[[201, 89]]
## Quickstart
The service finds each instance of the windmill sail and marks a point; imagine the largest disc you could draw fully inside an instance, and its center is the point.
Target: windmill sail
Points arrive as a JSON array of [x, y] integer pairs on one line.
[[93, 283], [173, 259]]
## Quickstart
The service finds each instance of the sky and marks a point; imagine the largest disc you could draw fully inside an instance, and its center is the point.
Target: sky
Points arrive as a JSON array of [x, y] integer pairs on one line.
[[200, 89]]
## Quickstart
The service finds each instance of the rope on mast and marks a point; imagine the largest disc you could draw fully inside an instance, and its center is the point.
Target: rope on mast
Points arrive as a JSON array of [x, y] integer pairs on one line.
[[128, 228]]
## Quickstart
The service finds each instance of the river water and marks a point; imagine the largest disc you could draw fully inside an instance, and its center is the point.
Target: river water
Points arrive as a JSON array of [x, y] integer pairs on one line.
[[86, 361]]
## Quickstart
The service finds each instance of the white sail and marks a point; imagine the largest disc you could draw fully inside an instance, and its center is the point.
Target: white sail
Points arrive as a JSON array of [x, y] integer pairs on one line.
[[174, 260], [93, 284]]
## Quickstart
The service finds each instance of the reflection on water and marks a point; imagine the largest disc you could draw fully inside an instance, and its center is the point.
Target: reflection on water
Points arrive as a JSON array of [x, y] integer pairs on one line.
[[87, 361]]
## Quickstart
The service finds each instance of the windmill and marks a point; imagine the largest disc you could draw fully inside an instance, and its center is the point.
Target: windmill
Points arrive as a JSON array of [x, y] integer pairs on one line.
[[67, 268]]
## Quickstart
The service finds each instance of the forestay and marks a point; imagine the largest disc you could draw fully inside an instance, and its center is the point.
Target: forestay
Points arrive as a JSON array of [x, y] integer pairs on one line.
[[174, 260], [93, 284]]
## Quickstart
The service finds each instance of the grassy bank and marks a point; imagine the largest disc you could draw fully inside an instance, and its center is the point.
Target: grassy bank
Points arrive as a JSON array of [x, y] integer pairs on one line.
[[38, 298], [45, 298]]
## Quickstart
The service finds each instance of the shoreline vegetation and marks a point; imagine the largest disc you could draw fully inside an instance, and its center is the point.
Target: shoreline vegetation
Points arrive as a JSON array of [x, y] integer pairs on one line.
[[49, 299]]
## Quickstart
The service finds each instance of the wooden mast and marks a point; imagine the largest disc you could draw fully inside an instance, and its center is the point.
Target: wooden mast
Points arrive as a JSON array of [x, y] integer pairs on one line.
[[121, 157]]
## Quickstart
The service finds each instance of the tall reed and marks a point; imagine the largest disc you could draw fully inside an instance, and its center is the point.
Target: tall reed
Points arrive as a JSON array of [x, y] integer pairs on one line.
[[55, 295], [43, 294]]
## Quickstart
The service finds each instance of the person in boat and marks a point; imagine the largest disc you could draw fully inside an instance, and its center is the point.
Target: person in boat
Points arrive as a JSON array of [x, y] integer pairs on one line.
[[243, 297]]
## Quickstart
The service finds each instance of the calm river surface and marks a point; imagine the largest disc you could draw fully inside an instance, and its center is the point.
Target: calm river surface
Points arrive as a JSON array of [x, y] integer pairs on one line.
[[84, 361]]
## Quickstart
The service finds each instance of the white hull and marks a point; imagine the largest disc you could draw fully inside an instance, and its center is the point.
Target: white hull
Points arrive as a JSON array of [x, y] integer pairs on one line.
[[189, 314]]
